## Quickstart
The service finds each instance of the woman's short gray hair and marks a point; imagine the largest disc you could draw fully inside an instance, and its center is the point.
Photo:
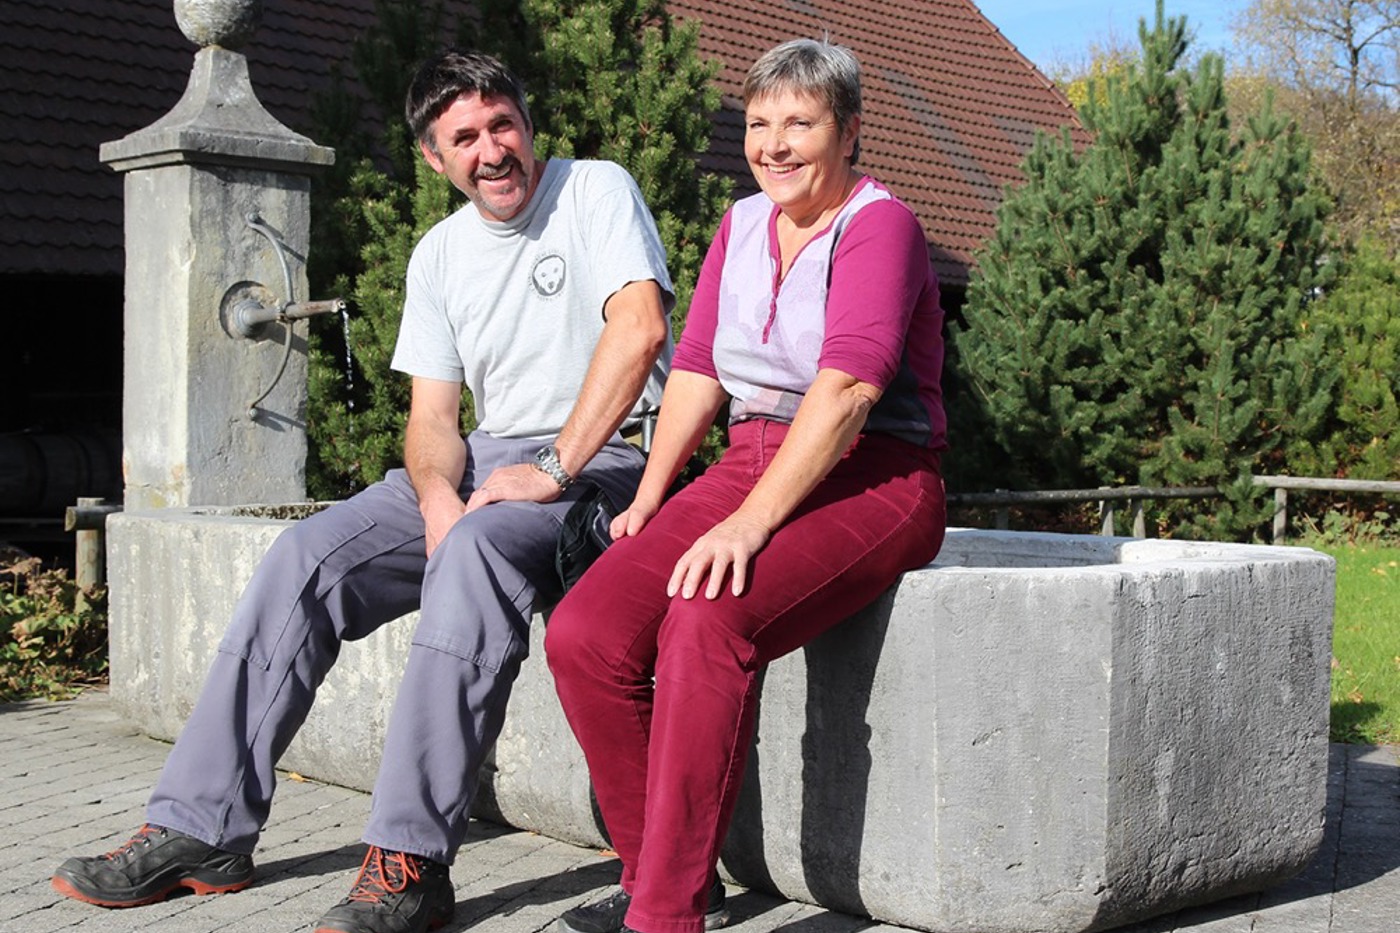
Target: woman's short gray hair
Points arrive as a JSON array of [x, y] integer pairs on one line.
[[828, 72]]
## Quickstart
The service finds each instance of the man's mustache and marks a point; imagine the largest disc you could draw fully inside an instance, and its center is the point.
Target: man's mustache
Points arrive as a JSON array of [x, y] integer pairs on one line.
[[497, 170]]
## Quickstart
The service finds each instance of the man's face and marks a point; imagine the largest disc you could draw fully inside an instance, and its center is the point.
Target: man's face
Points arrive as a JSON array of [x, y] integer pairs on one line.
[[486, 150]]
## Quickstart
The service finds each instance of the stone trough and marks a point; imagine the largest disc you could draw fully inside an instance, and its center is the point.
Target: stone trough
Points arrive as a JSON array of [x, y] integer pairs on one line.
[[1037, 733]]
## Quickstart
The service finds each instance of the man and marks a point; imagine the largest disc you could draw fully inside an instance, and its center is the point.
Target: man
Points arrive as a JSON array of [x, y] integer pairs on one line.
[[548, 296]]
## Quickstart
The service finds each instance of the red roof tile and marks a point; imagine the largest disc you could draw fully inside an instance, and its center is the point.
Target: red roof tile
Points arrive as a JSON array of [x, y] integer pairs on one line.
[[79, 73], [950, 106]]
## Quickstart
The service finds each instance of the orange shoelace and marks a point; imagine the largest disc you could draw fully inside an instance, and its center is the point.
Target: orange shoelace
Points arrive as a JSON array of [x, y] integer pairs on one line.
[[383, 873], [142, 835]]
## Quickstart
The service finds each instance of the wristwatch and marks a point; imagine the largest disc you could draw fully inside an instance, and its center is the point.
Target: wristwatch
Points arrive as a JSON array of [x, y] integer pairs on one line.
[[547, 461]]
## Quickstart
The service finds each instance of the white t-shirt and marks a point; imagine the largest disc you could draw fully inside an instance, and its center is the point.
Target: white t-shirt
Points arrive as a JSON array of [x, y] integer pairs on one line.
[[514, 309]]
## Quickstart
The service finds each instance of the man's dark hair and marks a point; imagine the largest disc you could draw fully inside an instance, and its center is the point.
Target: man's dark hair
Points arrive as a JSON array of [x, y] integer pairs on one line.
[[447, 76]]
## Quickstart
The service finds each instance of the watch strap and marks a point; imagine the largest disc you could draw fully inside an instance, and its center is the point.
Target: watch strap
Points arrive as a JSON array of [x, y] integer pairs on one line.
[[547, 461]]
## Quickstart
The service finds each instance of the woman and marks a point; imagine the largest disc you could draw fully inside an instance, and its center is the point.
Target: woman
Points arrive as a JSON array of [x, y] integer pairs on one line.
[[816, 317]]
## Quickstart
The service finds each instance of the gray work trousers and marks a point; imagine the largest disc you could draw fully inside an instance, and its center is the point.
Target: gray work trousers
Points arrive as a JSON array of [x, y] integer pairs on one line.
[[336, 577]]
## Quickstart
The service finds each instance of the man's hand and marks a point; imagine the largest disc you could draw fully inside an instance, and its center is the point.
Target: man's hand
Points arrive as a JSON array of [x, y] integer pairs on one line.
[[520, 482], [438, 519]]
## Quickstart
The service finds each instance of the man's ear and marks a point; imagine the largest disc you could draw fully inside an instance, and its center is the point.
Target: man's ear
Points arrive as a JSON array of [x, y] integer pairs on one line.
[[432, 158]]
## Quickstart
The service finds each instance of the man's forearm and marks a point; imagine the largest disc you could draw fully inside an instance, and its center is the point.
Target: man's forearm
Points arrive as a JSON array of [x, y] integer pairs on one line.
[[632, 340], [436, 461]]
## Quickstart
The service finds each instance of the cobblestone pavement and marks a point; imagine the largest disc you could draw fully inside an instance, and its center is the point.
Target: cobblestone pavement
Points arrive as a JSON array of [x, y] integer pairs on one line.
[[74, 779]]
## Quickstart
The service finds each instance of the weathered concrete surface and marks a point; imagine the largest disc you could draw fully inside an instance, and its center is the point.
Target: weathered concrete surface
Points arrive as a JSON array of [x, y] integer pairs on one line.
[[1041, 733], [191, 180]]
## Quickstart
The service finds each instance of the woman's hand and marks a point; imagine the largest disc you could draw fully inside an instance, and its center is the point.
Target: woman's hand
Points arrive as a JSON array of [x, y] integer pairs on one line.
[[631, 520], [726, 548]]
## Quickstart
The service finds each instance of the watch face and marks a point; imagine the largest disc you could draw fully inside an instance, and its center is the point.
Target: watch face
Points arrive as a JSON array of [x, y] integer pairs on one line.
[[547, 459]]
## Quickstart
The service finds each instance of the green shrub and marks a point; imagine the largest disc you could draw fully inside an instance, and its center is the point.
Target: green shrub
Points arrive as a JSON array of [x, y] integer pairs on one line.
[[53, 639], [1360, 317]]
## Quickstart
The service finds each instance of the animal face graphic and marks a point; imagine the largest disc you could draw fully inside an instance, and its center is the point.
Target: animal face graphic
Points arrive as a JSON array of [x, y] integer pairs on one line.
[[548, 275]]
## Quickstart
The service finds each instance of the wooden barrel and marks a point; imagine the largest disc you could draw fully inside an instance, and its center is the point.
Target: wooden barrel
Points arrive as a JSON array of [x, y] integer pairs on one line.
[[42, 474]]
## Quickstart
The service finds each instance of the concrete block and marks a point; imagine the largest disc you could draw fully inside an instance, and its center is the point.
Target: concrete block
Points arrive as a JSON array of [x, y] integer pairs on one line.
[[1038, 733]]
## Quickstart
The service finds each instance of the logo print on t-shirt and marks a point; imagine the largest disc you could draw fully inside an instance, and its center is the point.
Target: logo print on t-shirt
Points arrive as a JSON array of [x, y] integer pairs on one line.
[[548, 275]]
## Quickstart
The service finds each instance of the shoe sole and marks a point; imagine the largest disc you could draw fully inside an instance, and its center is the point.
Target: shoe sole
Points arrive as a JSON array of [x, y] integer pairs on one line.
[[434, 923], [67, 889], [714, 920]]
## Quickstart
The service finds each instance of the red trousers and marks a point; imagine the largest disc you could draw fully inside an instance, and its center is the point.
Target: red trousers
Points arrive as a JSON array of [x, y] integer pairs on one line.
[[661, 691]]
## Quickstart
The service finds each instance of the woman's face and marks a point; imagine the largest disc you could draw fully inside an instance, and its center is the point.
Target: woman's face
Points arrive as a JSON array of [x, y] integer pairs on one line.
[[799, 156]]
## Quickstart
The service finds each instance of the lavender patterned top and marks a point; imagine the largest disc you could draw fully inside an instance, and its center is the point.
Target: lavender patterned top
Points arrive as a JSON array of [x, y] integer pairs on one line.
[[860, 297]]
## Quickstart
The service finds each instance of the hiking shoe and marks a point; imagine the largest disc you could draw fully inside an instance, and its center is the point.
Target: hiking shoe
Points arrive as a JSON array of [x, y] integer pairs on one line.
[[606, 916], [151, 864], [395, 893]]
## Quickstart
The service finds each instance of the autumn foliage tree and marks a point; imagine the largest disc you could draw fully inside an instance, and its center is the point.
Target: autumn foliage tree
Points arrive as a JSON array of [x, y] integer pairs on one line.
[[1334, 67]]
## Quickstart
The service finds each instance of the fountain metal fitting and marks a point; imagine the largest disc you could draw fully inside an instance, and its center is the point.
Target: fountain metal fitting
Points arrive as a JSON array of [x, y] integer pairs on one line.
[[248, 314]]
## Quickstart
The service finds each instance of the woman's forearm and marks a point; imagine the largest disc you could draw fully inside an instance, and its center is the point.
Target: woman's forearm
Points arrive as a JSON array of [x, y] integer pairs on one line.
[[832, 413], [688, 408]]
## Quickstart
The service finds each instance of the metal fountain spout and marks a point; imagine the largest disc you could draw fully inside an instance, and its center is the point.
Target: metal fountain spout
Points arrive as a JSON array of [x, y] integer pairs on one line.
[[248, 314]]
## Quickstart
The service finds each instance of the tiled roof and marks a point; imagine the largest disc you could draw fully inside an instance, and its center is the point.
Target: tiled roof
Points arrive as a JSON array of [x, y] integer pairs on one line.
[[78, 73], [950, 106]]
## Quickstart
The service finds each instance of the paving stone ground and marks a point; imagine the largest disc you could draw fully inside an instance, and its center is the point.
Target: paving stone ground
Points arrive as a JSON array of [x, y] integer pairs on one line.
[[74, 779]]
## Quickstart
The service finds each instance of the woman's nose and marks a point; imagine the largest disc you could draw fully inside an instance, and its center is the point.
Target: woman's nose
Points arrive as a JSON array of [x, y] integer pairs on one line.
[[774, 141]]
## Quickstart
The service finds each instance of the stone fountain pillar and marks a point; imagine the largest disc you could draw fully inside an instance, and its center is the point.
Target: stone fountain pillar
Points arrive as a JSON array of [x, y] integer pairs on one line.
[[217, 230]]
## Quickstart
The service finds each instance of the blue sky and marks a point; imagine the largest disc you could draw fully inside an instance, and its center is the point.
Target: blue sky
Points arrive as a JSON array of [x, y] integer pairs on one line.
[[1050, 30]]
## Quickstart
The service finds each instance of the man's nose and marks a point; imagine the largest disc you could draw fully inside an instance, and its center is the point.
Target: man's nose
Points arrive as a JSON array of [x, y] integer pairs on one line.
[[491, 149]]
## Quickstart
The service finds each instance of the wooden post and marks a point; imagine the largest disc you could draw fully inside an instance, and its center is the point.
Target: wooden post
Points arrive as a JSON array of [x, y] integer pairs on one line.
[[90, 567], [1280, 515], [1139, 519], [1106, 516], [1003, 515]]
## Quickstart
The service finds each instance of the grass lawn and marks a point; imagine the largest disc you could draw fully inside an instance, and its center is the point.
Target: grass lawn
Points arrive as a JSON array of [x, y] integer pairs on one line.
[[1366, 645]]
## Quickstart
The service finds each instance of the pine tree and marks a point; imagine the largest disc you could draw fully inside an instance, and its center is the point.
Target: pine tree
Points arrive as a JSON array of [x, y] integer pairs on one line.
[[609, 79], [1138, 317]]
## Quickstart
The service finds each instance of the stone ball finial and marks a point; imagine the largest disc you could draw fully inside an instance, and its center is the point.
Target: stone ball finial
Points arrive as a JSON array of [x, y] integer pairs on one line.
[[225, 23]]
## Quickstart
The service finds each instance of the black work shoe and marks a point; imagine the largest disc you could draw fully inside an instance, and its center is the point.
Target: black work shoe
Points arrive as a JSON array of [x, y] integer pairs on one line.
[[151, 864], [396, 892], [606, 916]]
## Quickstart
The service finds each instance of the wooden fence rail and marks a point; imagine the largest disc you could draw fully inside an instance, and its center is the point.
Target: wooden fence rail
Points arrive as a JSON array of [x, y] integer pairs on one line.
[[1108, 496]]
